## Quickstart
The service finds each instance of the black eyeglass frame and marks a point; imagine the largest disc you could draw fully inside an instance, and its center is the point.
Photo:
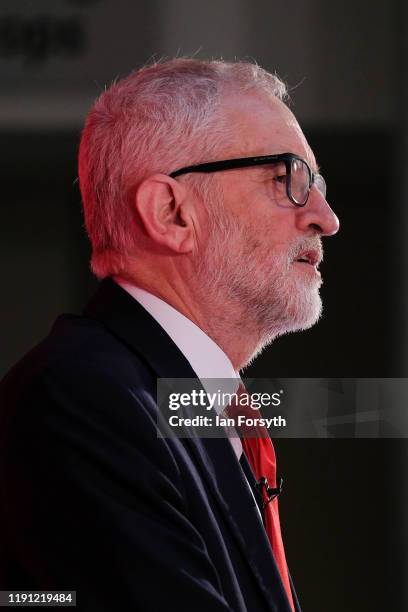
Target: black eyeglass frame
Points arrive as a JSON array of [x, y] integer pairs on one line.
[[260, 160]]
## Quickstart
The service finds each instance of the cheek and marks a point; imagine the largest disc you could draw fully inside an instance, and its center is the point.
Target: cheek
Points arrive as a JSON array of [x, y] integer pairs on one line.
[[281, 227], [269, 236], [252, 244]]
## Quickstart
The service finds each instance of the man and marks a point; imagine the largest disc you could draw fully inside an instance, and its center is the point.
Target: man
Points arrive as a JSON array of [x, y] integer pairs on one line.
[[205, 261]]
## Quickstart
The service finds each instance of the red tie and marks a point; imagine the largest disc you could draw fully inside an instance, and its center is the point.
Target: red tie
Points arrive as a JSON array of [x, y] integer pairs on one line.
[[261, 456]]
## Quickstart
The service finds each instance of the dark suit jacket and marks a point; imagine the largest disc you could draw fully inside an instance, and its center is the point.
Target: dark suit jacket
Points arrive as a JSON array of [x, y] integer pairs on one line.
[[92, 500]]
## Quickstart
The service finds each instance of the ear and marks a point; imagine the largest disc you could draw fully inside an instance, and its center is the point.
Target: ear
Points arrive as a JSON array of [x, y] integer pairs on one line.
[[165, 213]]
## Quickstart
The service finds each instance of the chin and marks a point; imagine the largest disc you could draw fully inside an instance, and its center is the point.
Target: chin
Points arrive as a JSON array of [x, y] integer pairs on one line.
[[290, 315], [298, 312], [307, 312]]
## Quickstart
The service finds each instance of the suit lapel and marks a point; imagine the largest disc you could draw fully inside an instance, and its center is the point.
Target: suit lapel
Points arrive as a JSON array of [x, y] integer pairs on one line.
[[227, 483], [133, 325]]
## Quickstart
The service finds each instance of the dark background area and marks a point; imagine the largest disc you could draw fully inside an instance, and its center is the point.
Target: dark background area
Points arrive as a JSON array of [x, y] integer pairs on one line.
[[345, 502]]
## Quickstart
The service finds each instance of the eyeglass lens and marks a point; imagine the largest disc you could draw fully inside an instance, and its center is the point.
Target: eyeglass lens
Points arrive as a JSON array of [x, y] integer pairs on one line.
[[300, 182]]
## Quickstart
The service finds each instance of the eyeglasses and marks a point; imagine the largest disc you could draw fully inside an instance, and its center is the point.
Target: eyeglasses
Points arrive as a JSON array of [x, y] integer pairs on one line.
[[298, 177]]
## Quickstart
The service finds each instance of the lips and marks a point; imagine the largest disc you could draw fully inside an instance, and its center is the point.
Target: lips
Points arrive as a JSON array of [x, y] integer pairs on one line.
[[312, 257]]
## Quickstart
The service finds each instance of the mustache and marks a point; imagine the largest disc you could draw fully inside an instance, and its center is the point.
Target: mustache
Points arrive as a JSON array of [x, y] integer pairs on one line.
[[306, 244]]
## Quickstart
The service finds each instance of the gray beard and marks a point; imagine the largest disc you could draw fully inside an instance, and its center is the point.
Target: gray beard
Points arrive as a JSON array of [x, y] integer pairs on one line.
[[256, 291]]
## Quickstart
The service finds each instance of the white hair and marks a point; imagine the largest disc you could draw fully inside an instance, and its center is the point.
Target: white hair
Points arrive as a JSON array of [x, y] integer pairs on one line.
[[157, 119]]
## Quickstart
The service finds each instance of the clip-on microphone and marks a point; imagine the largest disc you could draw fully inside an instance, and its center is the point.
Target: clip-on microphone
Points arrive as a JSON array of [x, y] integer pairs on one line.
[[270, 491]]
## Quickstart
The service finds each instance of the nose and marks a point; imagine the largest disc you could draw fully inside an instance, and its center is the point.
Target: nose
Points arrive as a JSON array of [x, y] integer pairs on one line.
[[317, 215]]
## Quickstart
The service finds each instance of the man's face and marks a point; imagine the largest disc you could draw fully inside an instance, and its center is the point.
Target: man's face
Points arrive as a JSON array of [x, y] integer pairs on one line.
[[257, 237]]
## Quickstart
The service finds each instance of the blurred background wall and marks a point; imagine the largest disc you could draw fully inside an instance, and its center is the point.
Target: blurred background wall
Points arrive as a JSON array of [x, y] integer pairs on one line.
[[345, 62]]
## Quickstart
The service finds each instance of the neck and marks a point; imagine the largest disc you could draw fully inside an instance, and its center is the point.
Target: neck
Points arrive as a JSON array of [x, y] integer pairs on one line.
[[222, 322]]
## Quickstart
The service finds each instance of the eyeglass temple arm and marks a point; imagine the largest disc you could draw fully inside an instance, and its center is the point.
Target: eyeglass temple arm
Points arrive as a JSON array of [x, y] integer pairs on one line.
[[229, 164]]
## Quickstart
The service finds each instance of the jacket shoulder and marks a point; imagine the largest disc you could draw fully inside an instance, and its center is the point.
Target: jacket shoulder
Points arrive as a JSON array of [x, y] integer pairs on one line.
[[78, 344]]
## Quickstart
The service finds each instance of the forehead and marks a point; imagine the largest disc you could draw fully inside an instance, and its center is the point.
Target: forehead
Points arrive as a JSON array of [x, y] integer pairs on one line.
[[263, 125]]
